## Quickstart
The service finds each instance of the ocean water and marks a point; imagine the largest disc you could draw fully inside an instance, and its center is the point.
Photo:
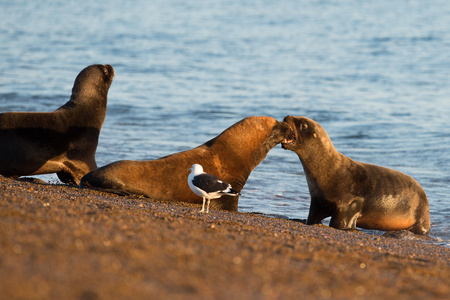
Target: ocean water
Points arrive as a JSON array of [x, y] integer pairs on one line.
[[375, 74]]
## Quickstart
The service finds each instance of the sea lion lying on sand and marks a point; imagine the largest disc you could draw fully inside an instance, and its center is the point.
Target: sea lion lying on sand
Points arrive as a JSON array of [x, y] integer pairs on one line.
[[231, 156]]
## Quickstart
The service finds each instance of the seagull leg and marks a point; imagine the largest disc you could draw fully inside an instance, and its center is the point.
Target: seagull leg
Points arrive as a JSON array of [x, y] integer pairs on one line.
[[207, 207], [203, 207]]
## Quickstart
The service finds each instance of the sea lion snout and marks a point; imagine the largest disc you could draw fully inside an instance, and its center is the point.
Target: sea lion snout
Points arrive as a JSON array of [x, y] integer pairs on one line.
[[290, 137], [304, 130], [291, 134], [288, 118], [285, 129], [282, 132]]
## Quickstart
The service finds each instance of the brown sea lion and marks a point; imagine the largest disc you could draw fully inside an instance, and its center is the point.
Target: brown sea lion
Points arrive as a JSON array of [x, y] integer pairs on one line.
[[231, 156], [63, 141], [354, 194]]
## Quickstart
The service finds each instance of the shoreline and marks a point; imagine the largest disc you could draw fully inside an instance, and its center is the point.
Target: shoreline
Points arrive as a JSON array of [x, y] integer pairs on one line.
[[61, 241]]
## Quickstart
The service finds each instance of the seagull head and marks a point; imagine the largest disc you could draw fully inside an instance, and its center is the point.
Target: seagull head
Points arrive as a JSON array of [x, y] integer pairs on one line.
[[196, 169]]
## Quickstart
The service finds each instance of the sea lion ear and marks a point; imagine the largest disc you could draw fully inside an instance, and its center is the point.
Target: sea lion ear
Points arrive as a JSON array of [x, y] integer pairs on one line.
[[315, 135]]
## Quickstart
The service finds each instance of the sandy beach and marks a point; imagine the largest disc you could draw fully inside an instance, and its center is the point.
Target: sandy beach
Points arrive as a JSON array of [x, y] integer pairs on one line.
[[63, 242]]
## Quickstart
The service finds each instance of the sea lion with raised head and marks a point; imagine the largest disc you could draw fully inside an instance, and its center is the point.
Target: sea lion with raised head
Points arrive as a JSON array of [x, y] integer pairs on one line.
[[63, 141], [354, 194], [231, 156]]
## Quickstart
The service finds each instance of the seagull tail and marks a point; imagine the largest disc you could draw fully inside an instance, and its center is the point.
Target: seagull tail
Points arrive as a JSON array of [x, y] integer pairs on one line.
[[231, 192]]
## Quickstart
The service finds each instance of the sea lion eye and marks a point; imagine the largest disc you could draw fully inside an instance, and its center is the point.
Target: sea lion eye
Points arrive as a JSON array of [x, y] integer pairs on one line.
[[303, 126]]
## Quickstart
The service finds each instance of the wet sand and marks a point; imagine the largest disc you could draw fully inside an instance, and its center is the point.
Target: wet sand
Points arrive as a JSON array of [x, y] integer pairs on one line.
[[62, 242]]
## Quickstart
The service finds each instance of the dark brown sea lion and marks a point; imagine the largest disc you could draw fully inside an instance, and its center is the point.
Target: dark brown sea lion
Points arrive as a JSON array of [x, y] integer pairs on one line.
[[355, 194], [230, 156], [63, 141]]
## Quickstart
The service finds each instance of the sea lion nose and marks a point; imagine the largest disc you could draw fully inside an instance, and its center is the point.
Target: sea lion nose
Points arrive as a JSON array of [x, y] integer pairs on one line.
[[287, 118]]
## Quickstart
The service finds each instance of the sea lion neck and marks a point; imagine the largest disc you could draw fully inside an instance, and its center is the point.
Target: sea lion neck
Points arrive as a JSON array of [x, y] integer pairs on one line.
[[86, 100], [247, 143], [235, 159], [320, 165]]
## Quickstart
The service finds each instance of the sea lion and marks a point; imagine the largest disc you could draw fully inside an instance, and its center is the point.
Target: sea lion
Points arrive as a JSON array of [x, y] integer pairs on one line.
[[353, 193], [231, 156], [63, 141]]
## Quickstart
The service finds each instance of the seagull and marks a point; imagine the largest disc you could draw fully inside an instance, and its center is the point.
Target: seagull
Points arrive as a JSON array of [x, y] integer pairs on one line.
[[208, 186]]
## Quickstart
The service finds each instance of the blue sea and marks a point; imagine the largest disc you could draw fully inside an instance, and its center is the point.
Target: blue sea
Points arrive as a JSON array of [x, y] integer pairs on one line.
[[375, 74]]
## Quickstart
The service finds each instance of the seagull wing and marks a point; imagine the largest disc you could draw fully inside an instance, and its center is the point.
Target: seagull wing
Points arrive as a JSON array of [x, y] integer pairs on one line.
[[210, 183]]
